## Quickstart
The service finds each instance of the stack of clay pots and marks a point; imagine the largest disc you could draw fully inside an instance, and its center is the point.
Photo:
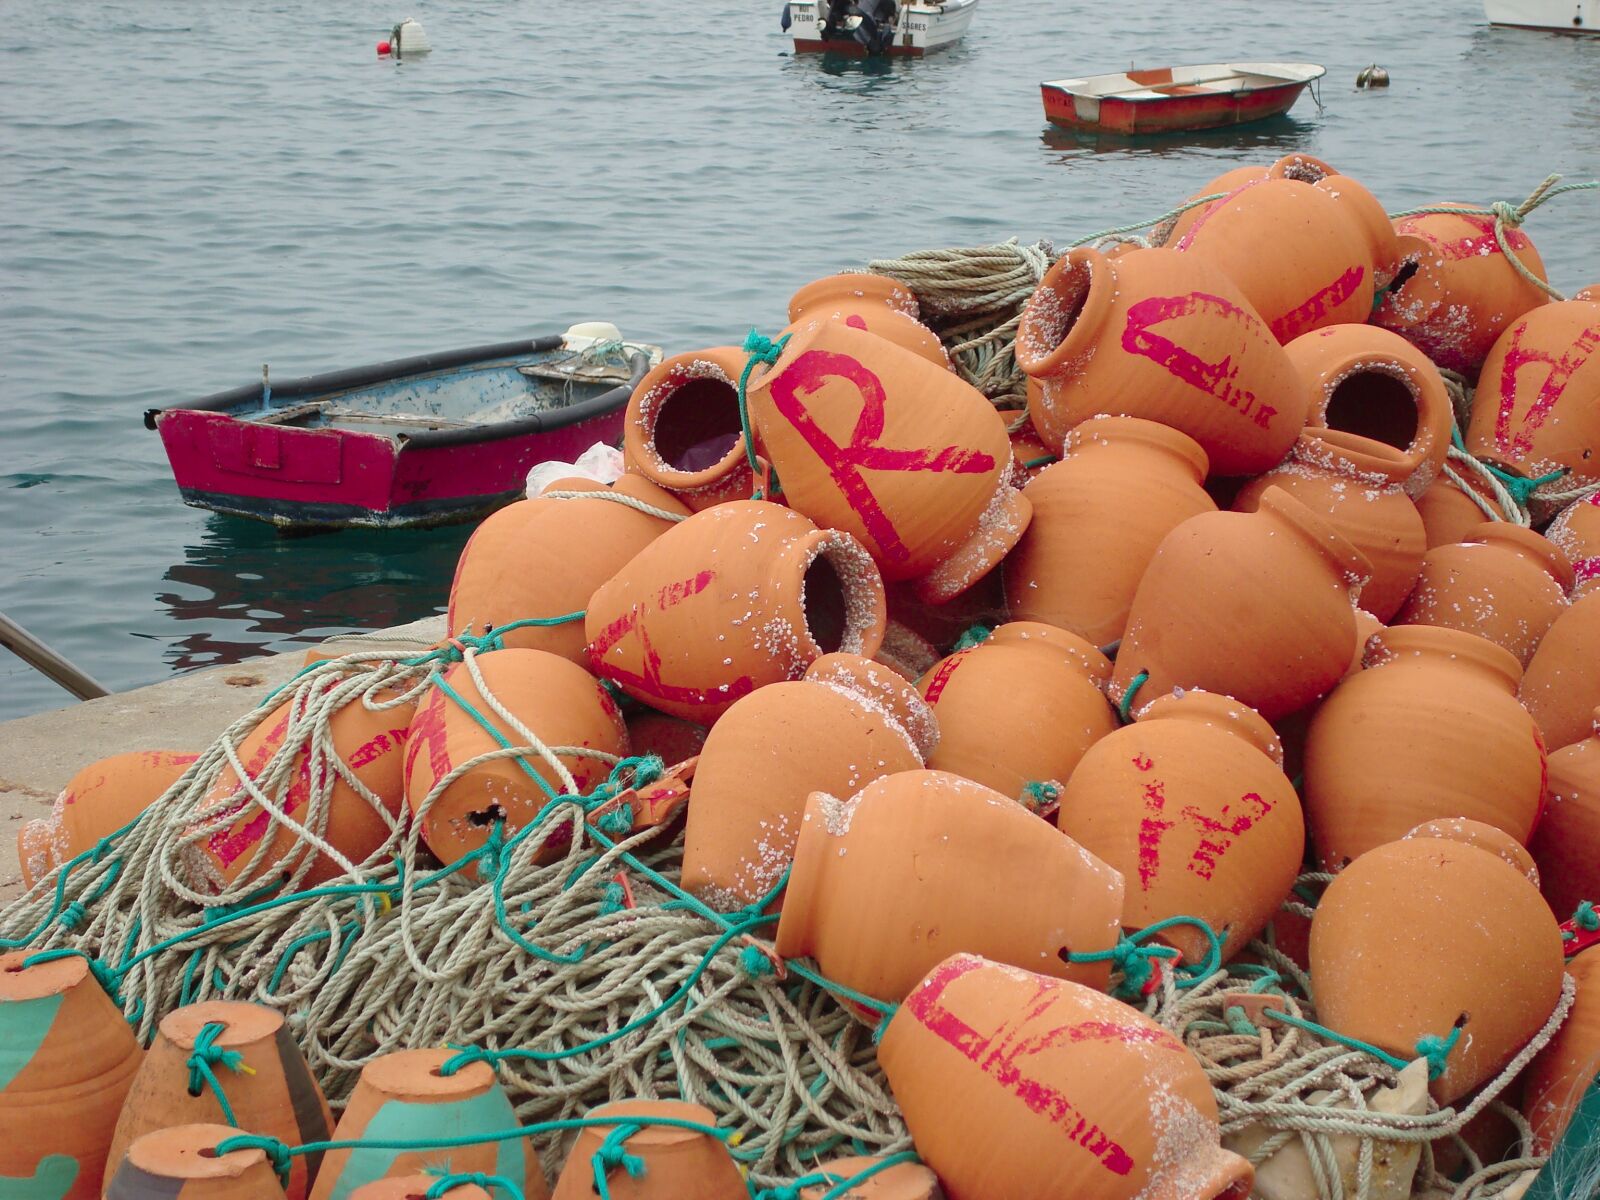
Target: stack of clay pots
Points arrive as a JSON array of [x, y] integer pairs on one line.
[[966, 726]]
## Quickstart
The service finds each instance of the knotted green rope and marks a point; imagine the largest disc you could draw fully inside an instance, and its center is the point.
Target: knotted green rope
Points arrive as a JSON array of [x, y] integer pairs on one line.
[[838, 1185], [612, 1154], [764, 350], [1584, 917], [203, 1061], [438, 1188], [975, 635], [1510, 216], [1435, 1050], [1038, 795], [1136, 962]]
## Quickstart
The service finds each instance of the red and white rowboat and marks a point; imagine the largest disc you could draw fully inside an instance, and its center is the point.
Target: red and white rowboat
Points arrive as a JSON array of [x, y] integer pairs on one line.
[[1169, 99]]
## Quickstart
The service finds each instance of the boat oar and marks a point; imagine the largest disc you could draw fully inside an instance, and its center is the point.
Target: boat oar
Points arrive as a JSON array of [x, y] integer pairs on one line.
[[46, 661]]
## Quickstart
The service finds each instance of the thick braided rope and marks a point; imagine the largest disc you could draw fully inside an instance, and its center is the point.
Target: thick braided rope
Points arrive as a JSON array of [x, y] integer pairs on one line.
[[974, 297], [614, 497]]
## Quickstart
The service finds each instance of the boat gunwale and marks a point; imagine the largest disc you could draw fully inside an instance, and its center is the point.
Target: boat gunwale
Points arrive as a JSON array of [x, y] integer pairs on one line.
[[350, 378], [1314, 72]]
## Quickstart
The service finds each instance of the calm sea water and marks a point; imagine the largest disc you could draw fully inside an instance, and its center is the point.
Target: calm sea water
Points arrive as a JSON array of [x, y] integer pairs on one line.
[[189, 190]]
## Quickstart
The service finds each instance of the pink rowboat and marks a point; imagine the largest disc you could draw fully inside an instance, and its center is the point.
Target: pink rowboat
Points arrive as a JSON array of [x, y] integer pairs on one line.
[[418, 441], [1174, 99]]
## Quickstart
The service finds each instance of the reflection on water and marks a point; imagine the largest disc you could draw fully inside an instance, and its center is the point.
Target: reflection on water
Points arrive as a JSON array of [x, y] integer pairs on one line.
[[247, 589], [1271, 138]]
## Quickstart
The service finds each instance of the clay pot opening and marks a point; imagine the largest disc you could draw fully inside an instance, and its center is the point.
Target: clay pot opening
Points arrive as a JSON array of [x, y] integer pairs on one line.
[[1302, 168], [1409, 266], [823, 601], [840, 599], [1374, 404], [485, 816], [697, 425], [1070, 295]]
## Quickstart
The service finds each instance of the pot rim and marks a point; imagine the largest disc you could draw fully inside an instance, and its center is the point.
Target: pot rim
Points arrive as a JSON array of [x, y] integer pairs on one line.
[[1394, 642], [1530, 545], [867, 285], [1110, 430], [1096, 295], [639, 424]]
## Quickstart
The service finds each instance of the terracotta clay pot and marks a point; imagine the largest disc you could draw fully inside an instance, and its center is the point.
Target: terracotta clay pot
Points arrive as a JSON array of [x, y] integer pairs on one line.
[[1476, 949], [1028, 451], [770, 751], [992, 700], [737, 597], [1191, 804], [1534, 409], [245, 842], [277, 1096], [1561, 687], [97, 801], [545, 556], [1566, 844], [560, 703], [1098, 515], [1449, 514], [677, 1162], [880, 686], [1320, 271], [1164, 336], [403, 1096], [1455, 292], [1556, 1079], [870, 439], [671, 739], [180, 1163], [903, 1181], [1292, 729], [1505, 583], [1374, 384], [683, 432], [415, 1187], [944, 865], [1253, 605], [1430, 729], [1358, 486], [1576, 533], [1485, 837], [1018, 1085], [875, 303], [1361, 205], [67, 1059]]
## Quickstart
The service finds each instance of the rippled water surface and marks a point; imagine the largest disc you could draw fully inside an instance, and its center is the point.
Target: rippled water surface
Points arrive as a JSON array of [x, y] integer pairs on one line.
[[189, 190]]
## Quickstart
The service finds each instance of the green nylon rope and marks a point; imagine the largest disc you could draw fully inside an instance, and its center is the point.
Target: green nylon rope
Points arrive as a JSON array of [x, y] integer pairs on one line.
[[438, 1188], [975, 635], [765, 350], [1584, 917], [837, 1185], [1125, 705], [204, 1060], [613, 1153], [1436, 1050], [1137, 961]]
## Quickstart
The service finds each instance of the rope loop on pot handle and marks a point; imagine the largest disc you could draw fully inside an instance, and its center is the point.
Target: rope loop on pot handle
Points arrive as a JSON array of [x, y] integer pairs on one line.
[[203, 1061], [761, 349], [444, 1183]]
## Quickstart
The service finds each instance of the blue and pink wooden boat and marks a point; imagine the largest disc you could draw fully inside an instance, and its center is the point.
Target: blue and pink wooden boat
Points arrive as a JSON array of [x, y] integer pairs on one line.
[[417, 441]]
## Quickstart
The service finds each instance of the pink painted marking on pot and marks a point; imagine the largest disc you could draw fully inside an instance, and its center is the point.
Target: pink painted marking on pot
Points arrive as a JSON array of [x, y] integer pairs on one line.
[[670, 596], [997, 1057], [845, 464], [1151, 829], [941, 677], [1214, 379], [1318, 304], [1518, 358], [1206, 854], [427, 734]]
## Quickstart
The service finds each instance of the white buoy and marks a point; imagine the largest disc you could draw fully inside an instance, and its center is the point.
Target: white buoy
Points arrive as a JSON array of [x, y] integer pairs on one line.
[[407, 38], [586, 334]]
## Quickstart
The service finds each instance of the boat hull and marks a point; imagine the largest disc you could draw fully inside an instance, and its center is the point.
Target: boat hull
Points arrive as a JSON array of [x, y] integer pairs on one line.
[[921, 30], [330, 478], [1578, 17], [1171, 114]]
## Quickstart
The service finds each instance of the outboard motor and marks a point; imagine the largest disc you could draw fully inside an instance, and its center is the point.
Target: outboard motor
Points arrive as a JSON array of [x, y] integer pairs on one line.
[[874, 33]]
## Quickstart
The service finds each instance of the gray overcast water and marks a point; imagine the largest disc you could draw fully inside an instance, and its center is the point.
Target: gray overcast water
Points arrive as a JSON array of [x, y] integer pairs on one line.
[[191, 189]]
